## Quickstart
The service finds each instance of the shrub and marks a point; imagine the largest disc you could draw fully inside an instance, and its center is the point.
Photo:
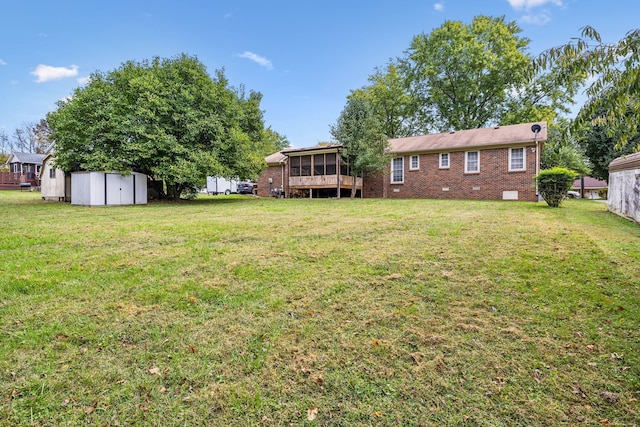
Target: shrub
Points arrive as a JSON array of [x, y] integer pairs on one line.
[[554, 183], [603, 193]]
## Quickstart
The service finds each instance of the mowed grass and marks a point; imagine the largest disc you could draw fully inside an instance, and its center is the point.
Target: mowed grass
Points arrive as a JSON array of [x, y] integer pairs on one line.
[[248, 311]]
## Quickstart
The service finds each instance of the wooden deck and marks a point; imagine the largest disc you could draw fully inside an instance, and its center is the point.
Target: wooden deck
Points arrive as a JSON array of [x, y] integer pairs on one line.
[[12, 180]]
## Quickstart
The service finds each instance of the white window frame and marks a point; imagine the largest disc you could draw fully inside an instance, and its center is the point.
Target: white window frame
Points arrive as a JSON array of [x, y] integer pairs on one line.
[[417, 167], [448, 161], [466, 162], [401, 181], [524, 159]]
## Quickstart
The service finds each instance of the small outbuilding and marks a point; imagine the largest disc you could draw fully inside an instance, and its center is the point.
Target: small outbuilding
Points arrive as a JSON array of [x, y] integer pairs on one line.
[[55, 184], [108, 188], [624, 186]]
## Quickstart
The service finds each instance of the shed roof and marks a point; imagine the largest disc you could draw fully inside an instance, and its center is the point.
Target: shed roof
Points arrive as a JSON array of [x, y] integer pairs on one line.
[[473, 138], [631, 161]]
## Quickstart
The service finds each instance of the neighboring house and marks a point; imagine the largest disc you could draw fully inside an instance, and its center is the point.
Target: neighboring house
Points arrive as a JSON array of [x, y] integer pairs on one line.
[[591, 186], [624, 186], [108, 188], [24, 168], [55, 184], [307, 172], [497, 163]]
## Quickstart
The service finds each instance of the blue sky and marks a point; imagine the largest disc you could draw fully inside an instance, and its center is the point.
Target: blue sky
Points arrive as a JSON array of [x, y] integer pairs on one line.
[[303, 56]]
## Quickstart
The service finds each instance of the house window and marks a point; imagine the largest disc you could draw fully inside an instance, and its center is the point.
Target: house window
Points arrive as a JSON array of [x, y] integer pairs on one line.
[[444, 160], [52, 173], [472, 162], [305, 166], [414, 163], [294, 168], [318, 164], [330, 164], [517, 159], [397, 170]]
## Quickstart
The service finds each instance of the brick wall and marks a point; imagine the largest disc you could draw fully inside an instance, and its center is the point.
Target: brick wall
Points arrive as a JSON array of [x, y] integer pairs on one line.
[[373, 186], [275, 173], [431, 182]]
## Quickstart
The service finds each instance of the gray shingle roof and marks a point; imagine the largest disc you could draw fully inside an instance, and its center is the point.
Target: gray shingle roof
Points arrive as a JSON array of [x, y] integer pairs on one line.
[[472, 138], [32, 158]]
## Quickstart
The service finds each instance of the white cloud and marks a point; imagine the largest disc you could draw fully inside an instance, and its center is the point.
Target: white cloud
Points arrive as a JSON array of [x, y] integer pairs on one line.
[[2, 62], [439, 6], [530, 4], [538, 19], [45, 73], [83, 80], [257, 59]]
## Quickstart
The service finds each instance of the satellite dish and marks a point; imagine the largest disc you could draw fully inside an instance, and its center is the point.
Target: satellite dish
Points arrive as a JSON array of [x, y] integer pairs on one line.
[[536, 128]]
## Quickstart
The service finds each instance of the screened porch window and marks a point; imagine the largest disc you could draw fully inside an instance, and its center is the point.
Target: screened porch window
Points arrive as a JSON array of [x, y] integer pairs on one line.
[[318, 164], [330, 164], [305, 166], [294, 168]]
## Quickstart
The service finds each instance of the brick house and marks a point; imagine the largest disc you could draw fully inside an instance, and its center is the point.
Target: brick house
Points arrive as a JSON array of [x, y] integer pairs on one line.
[[496, 163]]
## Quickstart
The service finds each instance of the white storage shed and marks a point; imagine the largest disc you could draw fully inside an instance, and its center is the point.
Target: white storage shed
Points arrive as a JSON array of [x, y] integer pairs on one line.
[[624, 186], [108, 189]]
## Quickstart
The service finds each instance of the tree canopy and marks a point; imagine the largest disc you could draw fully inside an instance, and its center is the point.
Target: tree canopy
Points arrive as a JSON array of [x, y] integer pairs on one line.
[[460, 73], [599, 145], [360, 133], [465, 76], [614, 72], [563, 150], [167, 118]]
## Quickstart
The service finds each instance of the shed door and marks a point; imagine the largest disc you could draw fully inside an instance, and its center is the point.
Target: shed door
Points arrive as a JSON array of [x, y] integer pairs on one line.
[[119, 189]]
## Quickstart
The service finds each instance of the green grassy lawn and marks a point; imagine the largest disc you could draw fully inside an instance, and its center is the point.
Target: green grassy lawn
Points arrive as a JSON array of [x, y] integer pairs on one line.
[[249, 311]]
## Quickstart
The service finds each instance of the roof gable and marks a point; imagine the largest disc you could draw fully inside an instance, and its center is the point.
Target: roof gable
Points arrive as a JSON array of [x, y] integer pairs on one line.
[[275, 158], [473, 138]]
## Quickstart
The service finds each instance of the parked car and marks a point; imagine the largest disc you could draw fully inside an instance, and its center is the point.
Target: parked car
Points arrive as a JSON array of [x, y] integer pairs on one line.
[[246, 187], [573, 194]]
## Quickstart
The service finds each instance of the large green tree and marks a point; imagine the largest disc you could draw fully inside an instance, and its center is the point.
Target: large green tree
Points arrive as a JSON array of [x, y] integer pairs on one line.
[[614, 69], [397, 110], [599, 145], [167, 118], [462, 74], [359, 131], [467, 76]]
